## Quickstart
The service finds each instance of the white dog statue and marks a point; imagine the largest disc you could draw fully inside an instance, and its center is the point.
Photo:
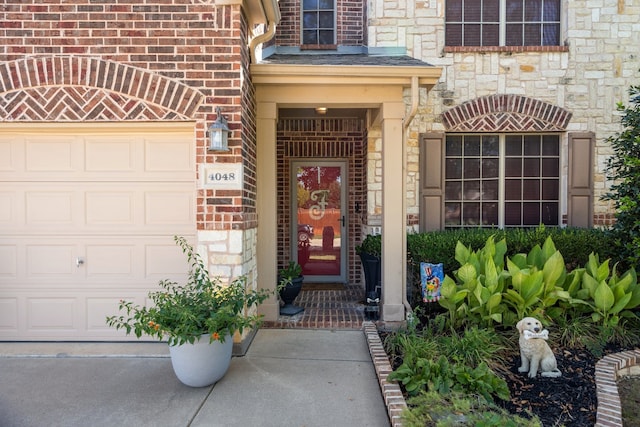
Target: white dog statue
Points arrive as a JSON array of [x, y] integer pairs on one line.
[[534, 351]]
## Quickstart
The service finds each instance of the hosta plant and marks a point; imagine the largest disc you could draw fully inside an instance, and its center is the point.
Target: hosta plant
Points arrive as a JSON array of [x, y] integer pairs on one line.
[[486, 294], [609, 295], [536, 284]]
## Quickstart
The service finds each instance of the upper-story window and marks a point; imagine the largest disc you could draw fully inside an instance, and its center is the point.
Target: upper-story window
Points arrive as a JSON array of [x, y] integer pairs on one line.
[[318, 22], [503, 22]]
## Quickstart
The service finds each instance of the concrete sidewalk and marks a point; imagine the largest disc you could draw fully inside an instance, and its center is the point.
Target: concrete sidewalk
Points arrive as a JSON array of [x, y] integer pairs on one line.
[[287, 378]]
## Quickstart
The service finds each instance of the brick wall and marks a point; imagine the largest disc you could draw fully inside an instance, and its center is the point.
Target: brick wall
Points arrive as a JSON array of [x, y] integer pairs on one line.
[[88, 60], [288, 32], [326, 139]]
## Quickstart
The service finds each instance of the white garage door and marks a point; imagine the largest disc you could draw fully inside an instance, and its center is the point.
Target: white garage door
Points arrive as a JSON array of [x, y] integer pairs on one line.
[[87, 217]]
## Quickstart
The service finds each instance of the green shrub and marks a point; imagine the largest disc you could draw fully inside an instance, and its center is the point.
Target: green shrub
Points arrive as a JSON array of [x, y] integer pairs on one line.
[[491, 288], [443, 376], [624, 169], [455, 409], [447, 363], [372, 245], [575, 244]]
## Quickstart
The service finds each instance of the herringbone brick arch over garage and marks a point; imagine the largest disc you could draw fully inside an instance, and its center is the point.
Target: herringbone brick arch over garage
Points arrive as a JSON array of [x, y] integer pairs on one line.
[[506, 113], [72, 88]]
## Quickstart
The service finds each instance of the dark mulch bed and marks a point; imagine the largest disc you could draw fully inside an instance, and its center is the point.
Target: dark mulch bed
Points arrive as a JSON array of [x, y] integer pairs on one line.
[[569, 400]]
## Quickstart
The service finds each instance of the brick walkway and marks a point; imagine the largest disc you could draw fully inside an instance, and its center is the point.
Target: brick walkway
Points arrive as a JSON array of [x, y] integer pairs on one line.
[[326, 309]]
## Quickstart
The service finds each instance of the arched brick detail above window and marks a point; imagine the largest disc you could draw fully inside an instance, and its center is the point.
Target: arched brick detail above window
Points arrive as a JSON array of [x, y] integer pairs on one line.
[[506, 113], [73, 88]]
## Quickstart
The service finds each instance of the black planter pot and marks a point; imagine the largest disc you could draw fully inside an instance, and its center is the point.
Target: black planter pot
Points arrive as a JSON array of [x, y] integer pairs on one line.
[[288, 294], [372, 267]]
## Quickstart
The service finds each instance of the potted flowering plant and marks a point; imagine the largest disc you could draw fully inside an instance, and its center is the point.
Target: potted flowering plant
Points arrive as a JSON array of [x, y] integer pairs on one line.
[[290, 280], [203, 312]]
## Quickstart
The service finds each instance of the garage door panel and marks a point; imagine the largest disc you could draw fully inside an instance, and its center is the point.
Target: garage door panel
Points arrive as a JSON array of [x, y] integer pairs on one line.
[[70, 315], [54, 154], [169, 208], [52, 313], [50, 261], [8, 261], [9, 208], [168, 155], [165, 262], [109, 207], [50, 208], [9, 315], [98, 308], [113, 155], [10, 159], [110, 260]]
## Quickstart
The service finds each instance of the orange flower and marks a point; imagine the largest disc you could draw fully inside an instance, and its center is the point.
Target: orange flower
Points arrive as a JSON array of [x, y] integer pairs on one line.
[[215, 336]]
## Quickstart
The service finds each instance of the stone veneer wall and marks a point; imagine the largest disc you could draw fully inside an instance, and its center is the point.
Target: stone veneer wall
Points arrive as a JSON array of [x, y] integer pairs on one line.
[[587, 76]]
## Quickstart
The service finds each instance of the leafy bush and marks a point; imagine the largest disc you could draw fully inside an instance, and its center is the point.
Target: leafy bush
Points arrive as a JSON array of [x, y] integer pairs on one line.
[[444, 377], [491, 288], [372, 245], [182, 313], [624, 168], [456, 409], [447, 363], [575, 243], [439, 247]]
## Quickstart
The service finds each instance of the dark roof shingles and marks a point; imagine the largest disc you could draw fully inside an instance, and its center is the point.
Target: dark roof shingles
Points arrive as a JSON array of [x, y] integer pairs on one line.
[[345, 59]]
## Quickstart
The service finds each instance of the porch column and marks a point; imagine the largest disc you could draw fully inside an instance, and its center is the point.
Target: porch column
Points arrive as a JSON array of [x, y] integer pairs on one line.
[[266, 182], [394, 250]]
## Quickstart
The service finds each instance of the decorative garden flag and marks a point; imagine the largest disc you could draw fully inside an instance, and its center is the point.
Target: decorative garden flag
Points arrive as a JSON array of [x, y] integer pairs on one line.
[[431, 276]]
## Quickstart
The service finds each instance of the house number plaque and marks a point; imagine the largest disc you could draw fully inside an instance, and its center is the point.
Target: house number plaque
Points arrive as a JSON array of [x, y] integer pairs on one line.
[[225, 176]]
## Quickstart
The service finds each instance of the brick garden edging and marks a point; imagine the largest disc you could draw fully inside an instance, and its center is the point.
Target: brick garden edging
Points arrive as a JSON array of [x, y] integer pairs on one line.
[[608, 370], [391, 392]]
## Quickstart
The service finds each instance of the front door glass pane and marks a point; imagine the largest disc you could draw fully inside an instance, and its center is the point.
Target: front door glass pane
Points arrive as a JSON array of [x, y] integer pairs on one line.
[[320, 219]]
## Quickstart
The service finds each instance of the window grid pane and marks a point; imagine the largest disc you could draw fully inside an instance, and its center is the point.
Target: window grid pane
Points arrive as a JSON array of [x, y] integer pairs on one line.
[[531, 182], [527, 22], [472, 180], [533, 197], [318, 22]]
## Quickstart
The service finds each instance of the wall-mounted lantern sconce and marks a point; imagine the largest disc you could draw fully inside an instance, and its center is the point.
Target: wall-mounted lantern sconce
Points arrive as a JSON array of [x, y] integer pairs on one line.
[[219, 133]]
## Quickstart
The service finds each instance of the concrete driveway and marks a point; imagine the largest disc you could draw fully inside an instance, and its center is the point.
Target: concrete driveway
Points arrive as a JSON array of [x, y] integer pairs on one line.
[[287, 378]]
